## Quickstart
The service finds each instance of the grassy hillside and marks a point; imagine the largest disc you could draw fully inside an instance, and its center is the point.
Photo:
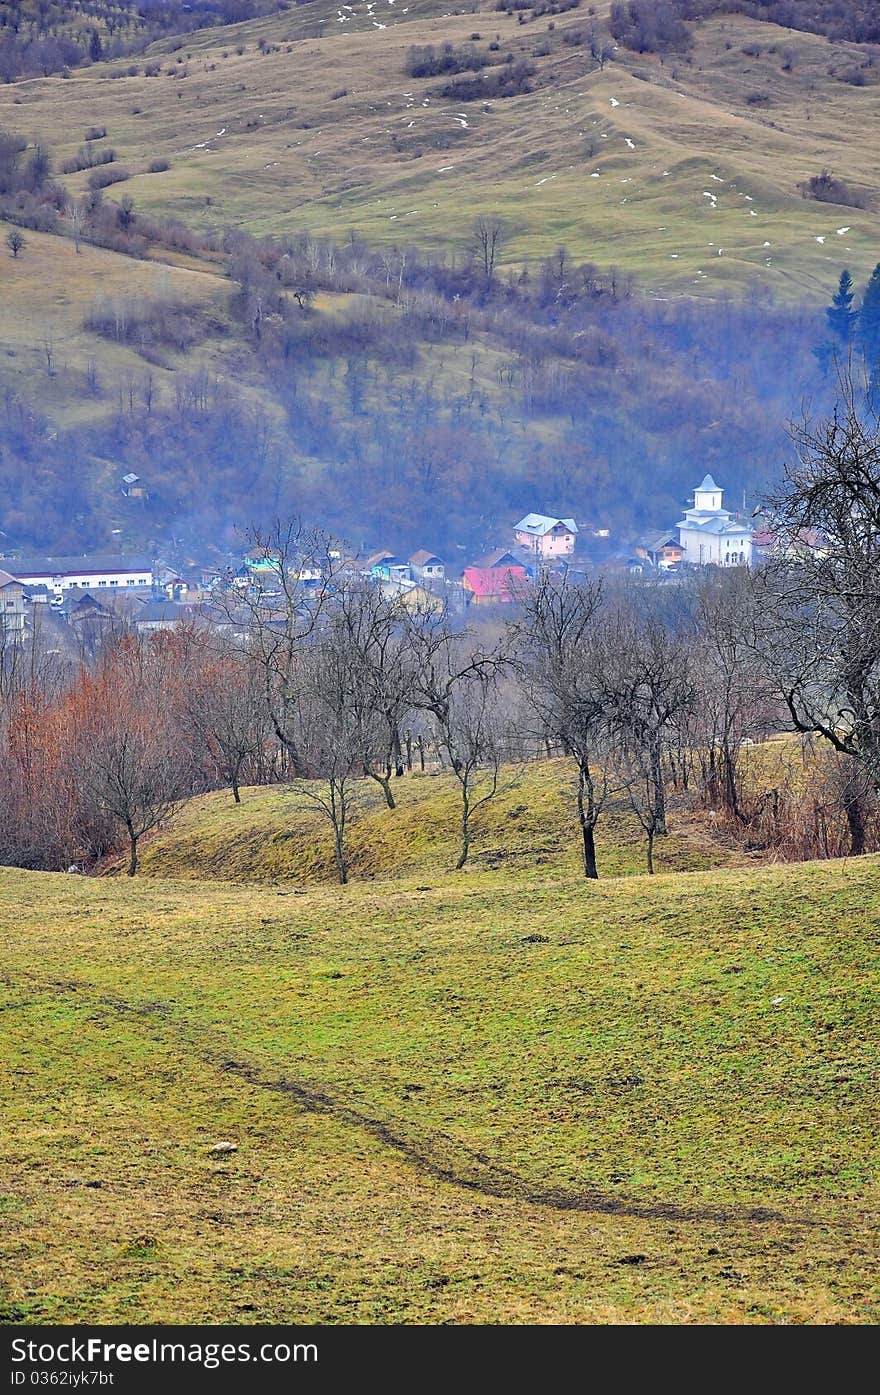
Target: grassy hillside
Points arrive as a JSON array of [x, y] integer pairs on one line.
[[529, 1100], [275, 834], [49, 291], [308, 120], [371, 416]]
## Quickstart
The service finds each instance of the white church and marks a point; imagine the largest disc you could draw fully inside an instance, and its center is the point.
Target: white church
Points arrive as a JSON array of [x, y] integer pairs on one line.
[[709, 535]]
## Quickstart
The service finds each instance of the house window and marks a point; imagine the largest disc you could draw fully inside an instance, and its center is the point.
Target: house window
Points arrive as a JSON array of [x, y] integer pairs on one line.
[[114, 583], [102, 583], [130, 582]]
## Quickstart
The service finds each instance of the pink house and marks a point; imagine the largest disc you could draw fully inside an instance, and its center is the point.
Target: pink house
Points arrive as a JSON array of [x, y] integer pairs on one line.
[[546, 537]]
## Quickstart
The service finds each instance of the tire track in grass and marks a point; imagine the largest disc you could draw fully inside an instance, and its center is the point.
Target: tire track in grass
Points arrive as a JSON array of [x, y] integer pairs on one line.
[[435, 1154]]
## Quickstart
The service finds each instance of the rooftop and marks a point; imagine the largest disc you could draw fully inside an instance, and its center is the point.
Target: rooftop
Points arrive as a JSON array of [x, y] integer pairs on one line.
[[77, 566], [493, 581], [538, 524]]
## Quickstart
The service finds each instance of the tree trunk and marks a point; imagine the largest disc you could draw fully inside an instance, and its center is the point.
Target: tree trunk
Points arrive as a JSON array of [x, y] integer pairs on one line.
[[339, 850], [659, 793], [854, 809], [236, 795], [650, 851], [465, 829], [384, 781], [587, 820], [590, 869], [132, 853]]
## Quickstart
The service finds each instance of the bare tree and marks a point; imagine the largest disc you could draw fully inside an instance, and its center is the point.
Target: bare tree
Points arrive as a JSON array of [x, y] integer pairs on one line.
[[371, 628], [455, 681], [733, 702], [647, 680], [226, 715], [76, 217], [818, 629], [330, 724], [487, 239], [279, 610], [556, 655], [16, 241]]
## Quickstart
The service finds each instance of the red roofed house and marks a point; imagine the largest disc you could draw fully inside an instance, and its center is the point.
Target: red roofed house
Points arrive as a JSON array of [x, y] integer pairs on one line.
[[494, 585]]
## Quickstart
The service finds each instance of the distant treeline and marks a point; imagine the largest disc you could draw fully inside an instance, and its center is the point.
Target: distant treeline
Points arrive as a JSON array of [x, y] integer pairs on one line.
[[39, 37], [655, 26]]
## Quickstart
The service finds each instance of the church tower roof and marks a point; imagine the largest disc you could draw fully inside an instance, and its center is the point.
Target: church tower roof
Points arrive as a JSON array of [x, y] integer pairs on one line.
[[708, 483]]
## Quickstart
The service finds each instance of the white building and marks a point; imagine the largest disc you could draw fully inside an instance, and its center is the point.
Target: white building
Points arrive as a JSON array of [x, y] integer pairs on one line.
[[60, 574], [709, 534]]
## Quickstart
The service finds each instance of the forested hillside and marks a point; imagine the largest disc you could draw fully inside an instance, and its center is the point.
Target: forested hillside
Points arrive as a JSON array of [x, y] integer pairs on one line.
[[262, 269]]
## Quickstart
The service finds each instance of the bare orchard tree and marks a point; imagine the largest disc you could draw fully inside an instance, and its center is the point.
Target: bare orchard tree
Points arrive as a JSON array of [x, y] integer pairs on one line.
[[331, 723], [455, 682], [125, 744], [370, 628], [279, 610], [130, 773], [477, 741], [226, 716], [556, 655], [733, 702], [819, 631], [648, 685]]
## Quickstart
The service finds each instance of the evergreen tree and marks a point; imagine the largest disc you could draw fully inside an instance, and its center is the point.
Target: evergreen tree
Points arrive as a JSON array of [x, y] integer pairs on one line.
[[96, 48], [869, 324], [840, 315]]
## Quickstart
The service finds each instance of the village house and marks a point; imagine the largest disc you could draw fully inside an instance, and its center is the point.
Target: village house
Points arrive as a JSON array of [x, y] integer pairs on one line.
[[710, 535], [498, 557], [386, 566], [494, 585], [546, 537], [132, 487], [425, 566], [663, 552], [13, 608]]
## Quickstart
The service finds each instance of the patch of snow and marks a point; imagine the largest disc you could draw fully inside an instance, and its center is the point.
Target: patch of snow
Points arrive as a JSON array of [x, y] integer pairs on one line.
[[630, 143], [614, 102], [820, 239], [841, 231], [717, 178]]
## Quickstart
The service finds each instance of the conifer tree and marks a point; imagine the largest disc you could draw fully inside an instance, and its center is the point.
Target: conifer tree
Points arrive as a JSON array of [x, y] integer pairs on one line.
[[869, 323], [840, 315]]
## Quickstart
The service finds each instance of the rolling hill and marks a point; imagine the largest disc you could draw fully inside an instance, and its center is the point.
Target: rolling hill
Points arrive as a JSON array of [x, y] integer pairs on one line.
[[683, 171], [680, 170]]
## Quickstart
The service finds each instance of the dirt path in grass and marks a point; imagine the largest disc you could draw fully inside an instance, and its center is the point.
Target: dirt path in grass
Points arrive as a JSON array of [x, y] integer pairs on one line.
[[435, 1154]]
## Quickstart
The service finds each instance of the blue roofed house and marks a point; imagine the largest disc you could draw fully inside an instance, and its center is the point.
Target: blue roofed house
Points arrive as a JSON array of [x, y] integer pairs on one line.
[[710, 535], [546, 537]]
